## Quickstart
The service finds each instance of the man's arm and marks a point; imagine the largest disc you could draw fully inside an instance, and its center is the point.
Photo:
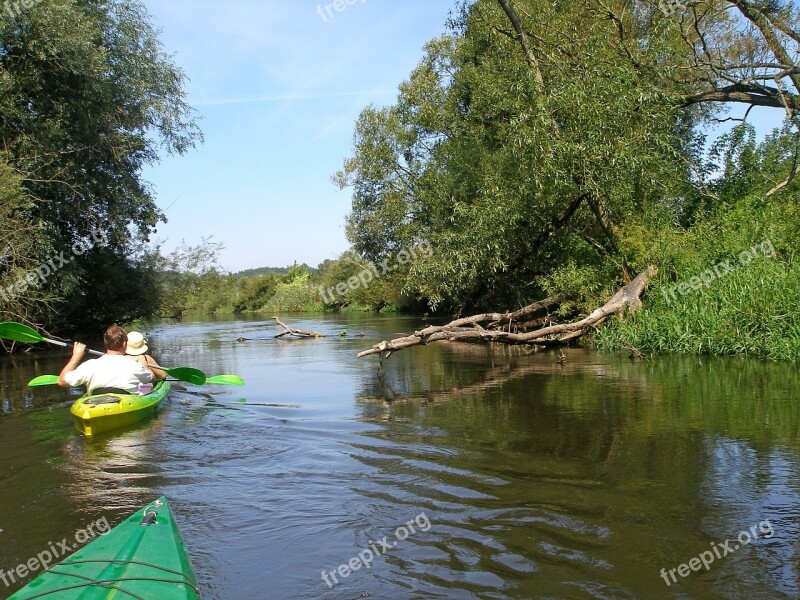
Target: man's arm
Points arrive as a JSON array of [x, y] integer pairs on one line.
[[78, 351]]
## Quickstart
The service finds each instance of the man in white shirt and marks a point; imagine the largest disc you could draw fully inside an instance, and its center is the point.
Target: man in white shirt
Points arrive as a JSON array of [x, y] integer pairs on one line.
[[111, 373]]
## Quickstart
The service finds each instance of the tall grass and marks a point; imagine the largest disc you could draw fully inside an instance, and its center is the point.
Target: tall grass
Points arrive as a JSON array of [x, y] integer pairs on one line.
[[751, 311]]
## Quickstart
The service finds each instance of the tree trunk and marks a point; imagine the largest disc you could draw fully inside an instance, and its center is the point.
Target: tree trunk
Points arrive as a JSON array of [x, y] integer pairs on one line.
[[626, 300]]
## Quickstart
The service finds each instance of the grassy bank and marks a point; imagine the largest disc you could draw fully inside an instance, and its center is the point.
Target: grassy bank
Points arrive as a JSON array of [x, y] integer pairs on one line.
[[730, 286]]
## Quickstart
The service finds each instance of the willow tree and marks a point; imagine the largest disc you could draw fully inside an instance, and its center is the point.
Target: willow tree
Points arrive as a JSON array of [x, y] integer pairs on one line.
[[538, 144], [88, 97], [744, 53], [514, 166]]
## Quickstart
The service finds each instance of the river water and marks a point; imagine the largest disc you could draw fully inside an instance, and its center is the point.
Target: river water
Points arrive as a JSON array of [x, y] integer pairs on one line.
[[487, 472]]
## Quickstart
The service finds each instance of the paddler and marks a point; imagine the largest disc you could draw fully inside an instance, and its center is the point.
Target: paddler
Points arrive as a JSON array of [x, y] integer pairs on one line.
[[137, 350], [112, 373]]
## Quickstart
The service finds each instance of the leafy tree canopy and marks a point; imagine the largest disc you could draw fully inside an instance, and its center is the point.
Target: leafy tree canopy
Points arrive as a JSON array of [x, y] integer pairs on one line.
[[87, 98], [544, 138]]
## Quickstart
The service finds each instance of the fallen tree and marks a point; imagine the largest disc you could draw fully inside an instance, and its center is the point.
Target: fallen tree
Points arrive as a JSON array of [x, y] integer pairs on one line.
[[301, 333], [503, 327]]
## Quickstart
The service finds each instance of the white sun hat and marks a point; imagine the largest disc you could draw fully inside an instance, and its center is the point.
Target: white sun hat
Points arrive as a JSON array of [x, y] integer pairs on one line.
[[137, 344]]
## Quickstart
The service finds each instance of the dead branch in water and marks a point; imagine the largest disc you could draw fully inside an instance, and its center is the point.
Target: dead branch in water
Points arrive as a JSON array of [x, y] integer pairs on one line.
[[626, 300], [301, 333]]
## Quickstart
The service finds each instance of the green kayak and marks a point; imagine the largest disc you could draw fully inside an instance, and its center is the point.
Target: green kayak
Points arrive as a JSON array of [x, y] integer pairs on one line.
[[142, 557]]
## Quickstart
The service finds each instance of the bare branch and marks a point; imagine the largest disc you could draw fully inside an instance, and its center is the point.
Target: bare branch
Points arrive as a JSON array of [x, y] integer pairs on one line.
[[626, 299], [522, 38]]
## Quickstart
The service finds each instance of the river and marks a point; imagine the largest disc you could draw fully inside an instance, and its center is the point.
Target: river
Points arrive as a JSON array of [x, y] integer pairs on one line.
[[466, 471]]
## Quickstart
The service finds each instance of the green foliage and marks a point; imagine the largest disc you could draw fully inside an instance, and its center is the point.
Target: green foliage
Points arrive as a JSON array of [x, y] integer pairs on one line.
[[248, 273], [536, 159], [190, 279], [87, 98], [22, 240], [295, 294], [254, 292], [581, 284], [483, 152], [106, 288], [750, 311], [371, 289]]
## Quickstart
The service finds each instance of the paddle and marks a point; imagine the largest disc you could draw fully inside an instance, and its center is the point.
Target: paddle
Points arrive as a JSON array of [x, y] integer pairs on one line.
[[188, 374], [43, 380], [18, 332], [216, 379], [225, 380]]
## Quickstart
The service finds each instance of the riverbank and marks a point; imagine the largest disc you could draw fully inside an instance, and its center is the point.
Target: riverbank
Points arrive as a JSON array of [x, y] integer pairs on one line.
[[728, 286]]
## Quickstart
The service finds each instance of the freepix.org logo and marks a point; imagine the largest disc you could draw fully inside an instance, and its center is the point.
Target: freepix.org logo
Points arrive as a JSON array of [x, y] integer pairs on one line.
[[670, 7], [15, 7], [54, 552], [367, 556], [326, 11], [39, 276], [720, 550]]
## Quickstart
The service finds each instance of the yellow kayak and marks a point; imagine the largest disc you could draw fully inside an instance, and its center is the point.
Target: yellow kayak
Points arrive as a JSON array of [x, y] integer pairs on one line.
[[95, 414]]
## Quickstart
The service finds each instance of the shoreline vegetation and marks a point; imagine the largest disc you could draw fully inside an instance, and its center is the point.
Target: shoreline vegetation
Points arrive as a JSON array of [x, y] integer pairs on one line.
[[519, 162]]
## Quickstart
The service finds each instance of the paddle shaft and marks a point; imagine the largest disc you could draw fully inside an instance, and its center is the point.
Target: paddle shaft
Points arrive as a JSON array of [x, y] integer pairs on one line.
[[66, 345], [96, 353]]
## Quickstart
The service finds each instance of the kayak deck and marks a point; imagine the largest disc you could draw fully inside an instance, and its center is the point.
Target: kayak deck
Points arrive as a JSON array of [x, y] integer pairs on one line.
[[142, 557], [96, 414]]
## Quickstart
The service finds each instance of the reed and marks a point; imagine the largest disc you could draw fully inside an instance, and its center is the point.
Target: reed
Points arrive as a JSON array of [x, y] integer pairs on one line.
[[753, 310]]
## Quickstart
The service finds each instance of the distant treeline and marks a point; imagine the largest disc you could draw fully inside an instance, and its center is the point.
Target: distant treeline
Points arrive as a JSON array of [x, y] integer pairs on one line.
[[269, 270], [189, 280]]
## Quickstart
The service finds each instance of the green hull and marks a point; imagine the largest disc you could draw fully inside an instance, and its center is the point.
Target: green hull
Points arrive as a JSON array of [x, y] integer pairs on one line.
[[133, 560], [95, 414]]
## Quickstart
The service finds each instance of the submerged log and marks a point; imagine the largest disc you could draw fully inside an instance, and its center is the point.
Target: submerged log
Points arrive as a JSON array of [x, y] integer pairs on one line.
[[301, 333], [469, 329]]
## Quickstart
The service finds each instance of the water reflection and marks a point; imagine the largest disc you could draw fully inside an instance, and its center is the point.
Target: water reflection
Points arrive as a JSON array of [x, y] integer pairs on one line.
[[605, 445], [540, 479]]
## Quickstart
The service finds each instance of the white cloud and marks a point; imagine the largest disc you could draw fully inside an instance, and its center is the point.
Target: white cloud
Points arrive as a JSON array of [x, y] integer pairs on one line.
[[292, 97]]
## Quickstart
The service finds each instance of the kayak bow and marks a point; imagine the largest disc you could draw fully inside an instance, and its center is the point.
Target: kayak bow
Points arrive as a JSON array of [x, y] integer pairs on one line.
[[142, 557]]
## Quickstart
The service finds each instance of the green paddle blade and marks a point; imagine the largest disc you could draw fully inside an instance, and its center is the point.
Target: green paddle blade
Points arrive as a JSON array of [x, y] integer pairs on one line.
[[17, 332], [225, 380], [43, 380], [187, 374]]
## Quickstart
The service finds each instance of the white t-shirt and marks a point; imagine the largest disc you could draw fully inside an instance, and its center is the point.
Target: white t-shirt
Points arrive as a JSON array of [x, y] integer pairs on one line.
[[109, 371]]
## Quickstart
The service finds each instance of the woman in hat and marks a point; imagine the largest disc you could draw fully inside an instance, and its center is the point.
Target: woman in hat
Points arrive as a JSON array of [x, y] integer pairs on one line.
[[137, 350]]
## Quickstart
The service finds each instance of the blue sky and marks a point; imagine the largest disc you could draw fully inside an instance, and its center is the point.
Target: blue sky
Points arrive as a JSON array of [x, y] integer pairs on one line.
[[279, 88], [279, 85]]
